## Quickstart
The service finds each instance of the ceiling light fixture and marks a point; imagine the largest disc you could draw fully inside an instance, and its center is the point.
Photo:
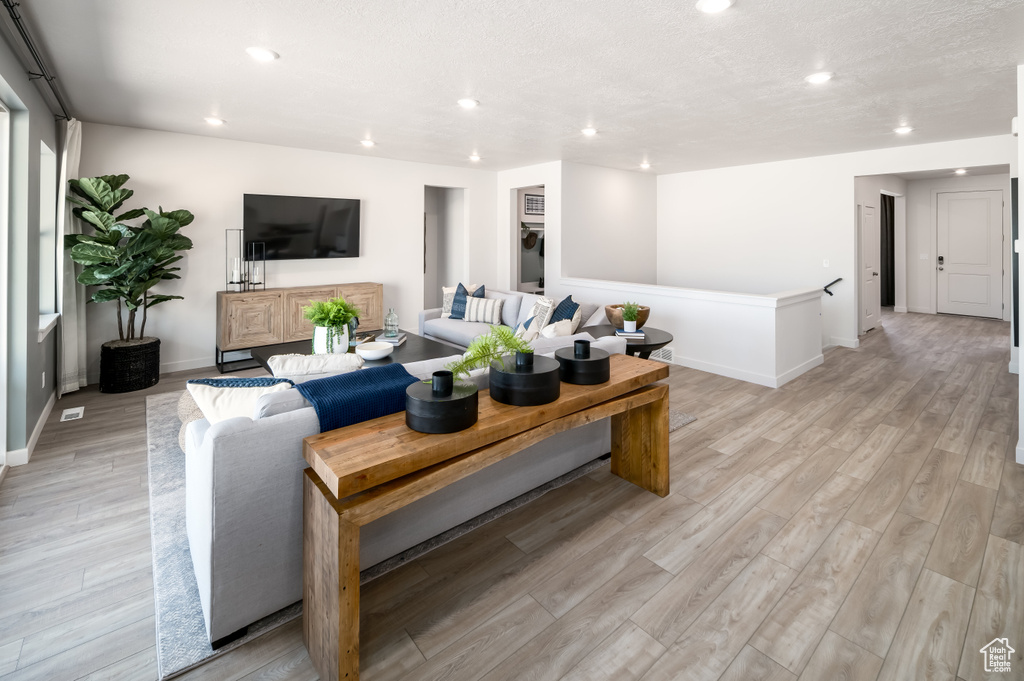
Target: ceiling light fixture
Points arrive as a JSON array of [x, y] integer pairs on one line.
[[961, 171], [714, 6], [262, 54], [819, 78], [467, 103], [589, 132], [213, 120], [368, 143], [645, 165], [474, 158], [903, 130]]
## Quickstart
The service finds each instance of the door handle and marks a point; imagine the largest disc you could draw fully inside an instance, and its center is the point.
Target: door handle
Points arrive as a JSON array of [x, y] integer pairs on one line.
[[874, 274], [940, 268]]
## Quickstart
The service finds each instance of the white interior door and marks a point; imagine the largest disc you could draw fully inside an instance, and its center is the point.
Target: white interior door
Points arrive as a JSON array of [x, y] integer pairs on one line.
[[870, 253], [969, 263]]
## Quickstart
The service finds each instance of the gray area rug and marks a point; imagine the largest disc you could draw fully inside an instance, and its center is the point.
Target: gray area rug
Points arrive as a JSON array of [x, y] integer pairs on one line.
[[181, 640]]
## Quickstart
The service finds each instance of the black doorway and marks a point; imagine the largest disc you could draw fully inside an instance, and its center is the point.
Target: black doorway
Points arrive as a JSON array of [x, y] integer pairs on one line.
[[888, 252]]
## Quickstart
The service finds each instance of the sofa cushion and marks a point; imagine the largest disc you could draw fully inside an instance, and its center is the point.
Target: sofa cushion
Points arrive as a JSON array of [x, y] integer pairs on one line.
[[592, 314], [509, 308], [455, 330], [486, 310], [225, 398], [307, 365], [557, 329], [526, 307], [448, 297], [568, 309], [279, 402]]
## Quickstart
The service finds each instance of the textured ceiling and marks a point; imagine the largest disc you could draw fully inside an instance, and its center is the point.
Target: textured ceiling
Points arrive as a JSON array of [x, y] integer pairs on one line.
[[659, 79]]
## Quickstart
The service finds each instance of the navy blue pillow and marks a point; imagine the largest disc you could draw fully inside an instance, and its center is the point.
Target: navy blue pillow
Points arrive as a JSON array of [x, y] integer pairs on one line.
[[564, 310], [459, 302]]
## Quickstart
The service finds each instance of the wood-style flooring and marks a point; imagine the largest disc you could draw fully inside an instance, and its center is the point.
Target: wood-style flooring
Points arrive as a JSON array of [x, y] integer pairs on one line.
[[865, 521]]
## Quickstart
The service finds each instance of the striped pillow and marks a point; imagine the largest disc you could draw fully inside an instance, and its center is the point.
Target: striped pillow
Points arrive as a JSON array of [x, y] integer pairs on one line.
[[487, 310]]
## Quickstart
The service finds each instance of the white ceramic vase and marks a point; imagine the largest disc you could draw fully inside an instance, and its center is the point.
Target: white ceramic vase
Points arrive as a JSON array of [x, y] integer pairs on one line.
[[628, 326], [328, 340]]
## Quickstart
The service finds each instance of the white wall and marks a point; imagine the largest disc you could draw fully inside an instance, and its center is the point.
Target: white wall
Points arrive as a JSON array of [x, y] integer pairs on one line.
[[209, 176], [609, 224], [768, 227], [921, 217]]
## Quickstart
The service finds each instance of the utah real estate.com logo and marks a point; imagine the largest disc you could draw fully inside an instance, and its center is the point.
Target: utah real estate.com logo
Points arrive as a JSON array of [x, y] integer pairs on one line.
[[997, 655]]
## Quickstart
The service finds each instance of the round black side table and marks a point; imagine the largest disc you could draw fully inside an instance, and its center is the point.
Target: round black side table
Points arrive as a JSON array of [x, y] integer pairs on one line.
[[654, 339]]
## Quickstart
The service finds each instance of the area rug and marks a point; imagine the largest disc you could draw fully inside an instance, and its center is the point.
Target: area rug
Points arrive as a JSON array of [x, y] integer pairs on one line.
[[181, 640]]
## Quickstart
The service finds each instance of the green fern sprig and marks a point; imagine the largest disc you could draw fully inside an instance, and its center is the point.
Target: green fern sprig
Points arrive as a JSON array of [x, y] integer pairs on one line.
[[499, 344]]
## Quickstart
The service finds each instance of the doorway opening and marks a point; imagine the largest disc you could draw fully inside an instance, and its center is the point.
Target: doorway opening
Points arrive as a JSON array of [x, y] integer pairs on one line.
[[528, 250], [887, 259], [444, 241]]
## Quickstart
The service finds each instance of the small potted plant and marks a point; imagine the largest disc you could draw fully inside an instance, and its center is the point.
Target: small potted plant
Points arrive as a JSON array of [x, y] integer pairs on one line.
[[330, 319], [630, 311], [497, 346]]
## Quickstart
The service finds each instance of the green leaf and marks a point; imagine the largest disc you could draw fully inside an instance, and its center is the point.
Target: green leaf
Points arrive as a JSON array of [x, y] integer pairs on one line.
[[115, 181], [131, 215], [182, 217], [98, 191], [93, 253], [142, 243], [102, 221], [71, 239], [178, 242], [156, 300], [110, 271], [105, 294], [88, 278]]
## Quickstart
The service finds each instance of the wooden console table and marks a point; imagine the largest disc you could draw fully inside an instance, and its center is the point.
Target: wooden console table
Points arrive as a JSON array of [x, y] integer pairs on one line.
[[365, 471]]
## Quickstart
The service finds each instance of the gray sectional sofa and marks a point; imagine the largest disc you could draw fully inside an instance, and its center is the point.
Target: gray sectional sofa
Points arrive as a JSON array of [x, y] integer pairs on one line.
[[243, 482], [514, 311]]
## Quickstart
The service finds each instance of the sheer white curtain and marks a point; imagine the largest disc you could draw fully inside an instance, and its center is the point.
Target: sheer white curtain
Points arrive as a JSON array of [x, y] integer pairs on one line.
[[71, 301]]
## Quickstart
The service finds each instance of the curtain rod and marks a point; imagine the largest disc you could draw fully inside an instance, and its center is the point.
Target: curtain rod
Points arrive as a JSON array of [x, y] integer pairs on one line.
[[44, 72]]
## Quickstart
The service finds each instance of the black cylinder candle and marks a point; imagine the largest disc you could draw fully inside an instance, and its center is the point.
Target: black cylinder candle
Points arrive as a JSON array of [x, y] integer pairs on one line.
[[582, 348], [524, 360], [442, 383]]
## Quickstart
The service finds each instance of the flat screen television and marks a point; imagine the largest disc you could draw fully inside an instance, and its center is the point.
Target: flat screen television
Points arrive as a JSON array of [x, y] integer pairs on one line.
[[301, 227]]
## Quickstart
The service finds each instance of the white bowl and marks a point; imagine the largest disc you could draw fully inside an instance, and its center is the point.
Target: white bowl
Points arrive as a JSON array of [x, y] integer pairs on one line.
[[371, 351]]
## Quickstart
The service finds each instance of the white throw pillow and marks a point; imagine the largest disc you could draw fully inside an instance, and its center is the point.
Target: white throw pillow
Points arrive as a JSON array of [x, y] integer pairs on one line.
[[541, 312], [305, 365], [487, 310], [562, 328], [225, 398]]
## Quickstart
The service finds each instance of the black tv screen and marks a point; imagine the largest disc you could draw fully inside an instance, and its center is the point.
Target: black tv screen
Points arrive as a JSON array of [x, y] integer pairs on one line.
[[300, 227]]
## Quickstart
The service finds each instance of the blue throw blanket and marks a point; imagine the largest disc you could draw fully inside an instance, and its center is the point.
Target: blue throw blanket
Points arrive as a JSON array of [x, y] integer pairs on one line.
[[357, 396]]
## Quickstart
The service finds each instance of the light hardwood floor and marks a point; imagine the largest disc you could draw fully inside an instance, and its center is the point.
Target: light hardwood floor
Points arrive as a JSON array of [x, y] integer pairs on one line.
[[865, 521]]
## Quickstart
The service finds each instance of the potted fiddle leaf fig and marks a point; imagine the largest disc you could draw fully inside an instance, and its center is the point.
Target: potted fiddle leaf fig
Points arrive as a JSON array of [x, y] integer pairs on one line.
[[123, 260]]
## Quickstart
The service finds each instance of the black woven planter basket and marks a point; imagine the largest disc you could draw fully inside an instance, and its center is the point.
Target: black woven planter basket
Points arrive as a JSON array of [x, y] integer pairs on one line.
[[124, 368]]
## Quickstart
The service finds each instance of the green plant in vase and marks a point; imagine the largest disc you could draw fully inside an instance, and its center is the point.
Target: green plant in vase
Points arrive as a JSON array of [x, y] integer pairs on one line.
[[630, 311], [330, 319], [500, 344]]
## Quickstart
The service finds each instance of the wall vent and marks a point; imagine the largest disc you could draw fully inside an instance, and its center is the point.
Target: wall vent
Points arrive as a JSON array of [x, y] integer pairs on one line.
[[663, 355]]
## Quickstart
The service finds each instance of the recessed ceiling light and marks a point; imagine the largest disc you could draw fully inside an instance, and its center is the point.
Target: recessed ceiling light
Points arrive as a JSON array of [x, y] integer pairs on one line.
[[467, 103], [645, 165], [213, 120], [474, 157], [903, 130], [961, 171], [819, 78], [262, 54], [714, 6], [589, 132], [367, 143]]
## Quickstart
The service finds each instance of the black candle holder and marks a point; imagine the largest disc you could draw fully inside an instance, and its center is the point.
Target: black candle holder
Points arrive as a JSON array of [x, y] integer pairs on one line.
[[441, 406], [583, 365], [530, 381]]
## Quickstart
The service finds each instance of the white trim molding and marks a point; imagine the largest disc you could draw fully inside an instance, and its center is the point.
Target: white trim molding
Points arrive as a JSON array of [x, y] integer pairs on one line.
[[20, 457]]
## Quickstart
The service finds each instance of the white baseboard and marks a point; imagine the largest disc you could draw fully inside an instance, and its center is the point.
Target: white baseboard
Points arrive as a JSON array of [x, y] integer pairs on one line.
[[922, 310], [20, 457], [845, 342], [1014, 360], [900, 308], [788, 376], [1020, 452]]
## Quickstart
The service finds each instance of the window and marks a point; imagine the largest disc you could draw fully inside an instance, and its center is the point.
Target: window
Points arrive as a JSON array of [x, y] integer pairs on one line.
[[49, 248]]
